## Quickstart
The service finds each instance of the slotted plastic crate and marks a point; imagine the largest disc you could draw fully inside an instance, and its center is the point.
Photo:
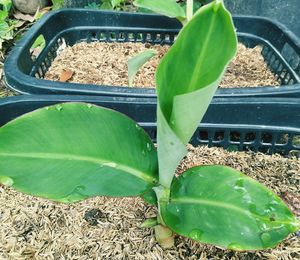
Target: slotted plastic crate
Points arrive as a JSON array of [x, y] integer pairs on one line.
[[238, 124], [24, 72]]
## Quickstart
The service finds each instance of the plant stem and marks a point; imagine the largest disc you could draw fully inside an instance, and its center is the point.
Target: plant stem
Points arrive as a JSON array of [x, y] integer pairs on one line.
[[189, 9], [163, 195]]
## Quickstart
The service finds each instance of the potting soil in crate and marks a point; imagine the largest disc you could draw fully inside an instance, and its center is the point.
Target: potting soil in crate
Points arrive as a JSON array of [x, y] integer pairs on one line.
[[103, 63]]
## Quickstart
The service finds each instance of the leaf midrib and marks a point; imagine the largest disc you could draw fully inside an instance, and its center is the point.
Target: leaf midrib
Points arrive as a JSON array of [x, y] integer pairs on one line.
[[57, 156], [189, 200], [200, 61]]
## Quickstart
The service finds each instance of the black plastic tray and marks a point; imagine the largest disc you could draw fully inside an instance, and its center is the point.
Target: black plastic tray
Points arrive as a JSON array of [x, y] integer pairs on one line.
[[25, 74], [238, 124], [284, 11]]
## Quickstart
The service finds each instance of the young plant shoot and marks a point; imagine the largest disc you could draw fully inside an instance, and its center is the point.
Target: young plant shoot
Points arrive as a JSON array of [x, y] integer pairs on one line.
[[170, 8], [70, 152]]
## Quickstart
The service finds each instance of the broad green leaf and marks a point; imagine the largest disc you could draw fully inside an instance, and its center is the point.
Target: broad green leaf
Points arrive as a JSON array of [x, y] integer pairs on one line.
[[166, 7], [73, 151], [221, 206], [187, 78], [136, 62]]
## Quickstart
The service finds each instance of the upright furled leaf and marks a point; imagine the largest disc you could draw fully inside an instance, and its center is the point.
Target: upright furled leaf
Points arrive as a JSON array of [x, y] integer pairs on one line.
[[187, 79], [165, 7], [221, 206], [73, 151]]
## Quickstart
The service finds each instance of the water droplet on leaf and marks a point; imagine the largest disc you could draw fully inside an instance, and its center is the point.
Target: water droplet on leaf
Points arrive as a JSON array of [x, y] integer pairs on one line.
[[59, 107], [265, 238], [110, 164], [149, 147], [76, 195], [239, 185], [234, 246], [6, 181], [195, 234]]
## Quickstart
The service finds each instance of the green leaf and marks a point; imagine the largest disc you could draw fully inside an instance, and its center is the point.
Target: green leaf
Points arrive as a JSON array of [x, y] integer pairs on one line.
[[106, 6], [150, 197], [221, 206], [6, 32], [116, 3], [136, 62], [39, 42], [144, 10], [93, 6], [57, 4], [187, 78], [73, 151], [6, 4], [3, 15], [165, 7], [150, 222]]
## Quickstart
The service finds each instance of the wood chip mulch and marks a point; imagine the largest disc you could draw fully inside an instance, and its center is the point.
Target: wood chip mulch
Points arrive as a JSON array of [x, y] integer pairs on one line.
[[108, 228], [106, 64]]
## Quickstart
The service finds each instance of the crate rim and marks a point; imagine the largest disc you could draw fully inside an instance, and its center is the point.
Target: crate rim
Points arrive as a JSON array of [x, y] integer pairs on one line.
[[144, 112], [132, 100], [216, 101]]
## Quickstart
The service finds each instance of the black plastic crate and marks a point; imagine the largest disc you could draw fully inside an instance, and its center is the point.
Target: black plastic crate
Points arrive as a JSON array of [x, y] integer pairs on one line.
[[24, 73], [236, 124]]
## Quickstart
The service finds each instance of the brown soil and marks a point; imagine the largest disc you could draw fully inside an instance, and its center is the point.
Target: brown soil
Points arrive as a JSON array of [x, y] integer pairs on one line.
[[106, 64], [106, 228]]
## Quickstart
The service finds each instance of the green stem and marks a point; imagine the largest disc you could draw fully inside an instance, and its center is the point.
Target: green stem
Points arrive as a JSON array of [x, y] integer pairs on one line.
[[189, 9], [163, 196]]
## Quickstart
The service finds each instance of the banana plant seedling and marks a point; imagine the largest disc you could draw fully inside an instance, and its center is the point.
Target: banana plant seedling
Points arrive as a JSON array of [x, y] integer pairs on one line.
[[70, 152]]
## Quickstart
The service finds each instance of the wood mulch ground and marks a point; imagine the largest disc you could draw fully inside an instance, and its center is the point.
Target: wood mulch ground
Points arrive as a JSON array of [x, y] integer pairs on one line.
[[106, 228], [106, 64]]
